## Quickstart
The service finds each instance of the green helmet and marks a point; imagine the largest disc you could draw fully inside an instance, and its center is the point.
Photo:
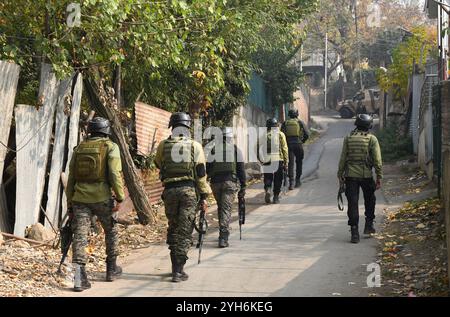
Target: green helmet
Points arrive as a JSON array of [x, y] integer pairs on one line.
[[180, 119], [293, 113], [364, 121], [99, 125]]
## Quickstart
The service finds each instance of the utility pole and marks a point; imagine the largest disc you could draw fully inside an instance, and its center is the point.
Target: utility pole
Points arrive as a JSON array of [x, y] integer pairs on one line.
[[355, 5]]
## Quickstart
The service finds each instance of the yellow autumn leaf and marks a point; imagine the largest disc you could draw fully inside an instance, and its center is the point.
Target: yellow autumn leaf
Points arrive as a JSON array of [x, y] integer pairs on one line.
[[199, 74]]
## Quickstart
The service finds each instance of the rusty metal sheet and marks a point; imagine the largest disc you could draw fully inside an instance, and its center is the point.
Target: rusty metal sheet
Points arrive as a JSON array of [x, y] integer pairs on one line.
[[151, 126]]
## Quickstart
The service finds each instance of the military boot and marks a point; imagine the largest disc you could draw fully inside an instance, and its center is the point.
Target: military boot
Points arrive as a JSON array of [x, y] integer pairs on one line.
[[276, 198], [291, 184], [267, 196], [81, 281], [354, 234], [176, 269], [184, 276], [368, 228], [112, 269], [223, 240], [298, 183]]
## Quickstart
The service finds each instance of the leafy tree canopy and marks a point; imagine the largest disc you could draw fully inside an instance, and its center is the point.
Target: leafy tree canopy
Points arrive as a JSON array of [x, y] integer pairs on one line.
[[177, 55]]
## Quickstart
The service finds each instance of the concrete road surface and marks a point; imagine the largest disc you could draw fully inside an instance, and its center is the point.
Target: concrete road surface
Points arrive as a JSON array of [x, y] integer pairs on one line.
[[297, 248]]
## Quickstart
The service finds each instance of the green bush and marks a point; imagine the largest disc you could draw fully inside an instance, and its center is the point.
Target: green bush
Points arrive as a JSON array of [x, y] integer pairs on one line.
[[394, 145]]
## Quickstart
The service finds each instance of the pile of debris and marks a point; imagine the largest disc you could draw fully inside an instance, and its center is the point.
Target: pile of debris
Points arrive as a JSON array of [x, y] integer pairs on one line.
[[29, 268], [413, 250]]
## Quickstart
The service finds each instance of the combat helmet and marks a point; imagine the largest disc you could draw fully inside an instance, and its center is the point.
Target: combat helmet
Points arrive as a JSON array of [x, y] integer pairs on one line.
[[99, 125]]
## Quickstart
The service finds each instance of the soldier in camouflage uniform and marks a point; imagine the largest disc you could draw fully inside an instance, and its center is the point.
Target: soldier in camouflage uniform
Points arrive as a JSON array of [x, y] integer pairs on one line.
[[360, 154], [95, 169], [225, 169], [181, 161], [274, 161]]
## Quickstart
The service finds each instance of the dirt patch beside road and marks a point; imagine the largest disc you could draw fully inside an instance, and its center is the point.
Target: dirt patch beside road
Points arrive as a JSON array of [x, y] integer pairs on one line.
[[412, 248]]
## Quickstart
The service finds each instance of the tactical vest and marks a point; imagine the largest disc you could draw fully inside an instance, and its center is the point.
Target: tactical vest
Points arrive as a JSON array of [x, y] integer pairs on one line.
[[91, 161], [358, 148], [269, 143], [273, 153], [181, 168], [293, 128], [225, 167]]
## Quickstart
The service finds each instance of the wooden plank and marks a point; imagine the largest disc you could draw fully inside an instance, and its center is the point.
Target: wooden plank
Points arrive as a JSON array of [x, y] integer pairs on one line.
[[74, 122], [59, 145], [9, 77], [33, 132]]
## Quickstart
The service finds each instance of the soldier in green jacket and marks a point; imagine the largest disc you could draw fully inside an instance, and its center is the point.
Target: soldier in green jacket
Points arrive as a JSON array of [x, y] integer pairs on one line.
[[360, 154], [182, 166], [275, 160], [296, 134], [225, 168], [95, 169]]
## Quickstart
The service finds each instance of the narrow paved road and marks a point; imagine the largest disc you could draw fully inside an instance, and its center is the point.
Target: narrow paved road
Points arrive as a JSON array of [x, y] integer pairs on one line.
[[298, 248]]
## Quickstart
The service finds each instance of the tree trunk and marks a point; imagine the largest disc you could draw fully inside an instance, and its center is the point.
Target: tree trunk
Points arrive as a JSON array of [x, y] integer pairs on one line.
[[348, 72], [105, 105]]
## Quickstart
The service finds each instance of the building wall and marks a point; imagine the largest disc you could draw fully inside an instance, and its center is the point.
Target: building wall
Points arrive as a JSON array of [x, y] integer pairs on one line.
[[245, 118], [445, 104], [301, 97], [445, 98]]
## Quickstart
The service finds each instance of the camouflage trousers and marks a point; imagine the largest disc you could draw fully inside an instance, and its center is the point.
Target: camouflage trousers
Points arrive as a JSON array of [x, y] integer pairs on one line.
[[224, 193], [180, 206], [81, 226]]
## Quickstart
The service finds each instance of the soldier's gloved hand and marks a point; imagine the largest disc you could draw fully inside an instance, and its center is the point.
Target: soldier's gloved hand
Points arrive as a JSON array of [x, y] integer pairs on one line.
[[378, 184]]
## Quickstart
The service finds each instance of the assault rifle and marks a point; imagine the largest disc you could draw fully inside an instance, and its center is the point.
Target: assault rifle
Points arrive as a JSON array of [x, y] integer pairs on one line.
[[66, 236], [339, 195], [241, 209], [285, 181], [201, 229]]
